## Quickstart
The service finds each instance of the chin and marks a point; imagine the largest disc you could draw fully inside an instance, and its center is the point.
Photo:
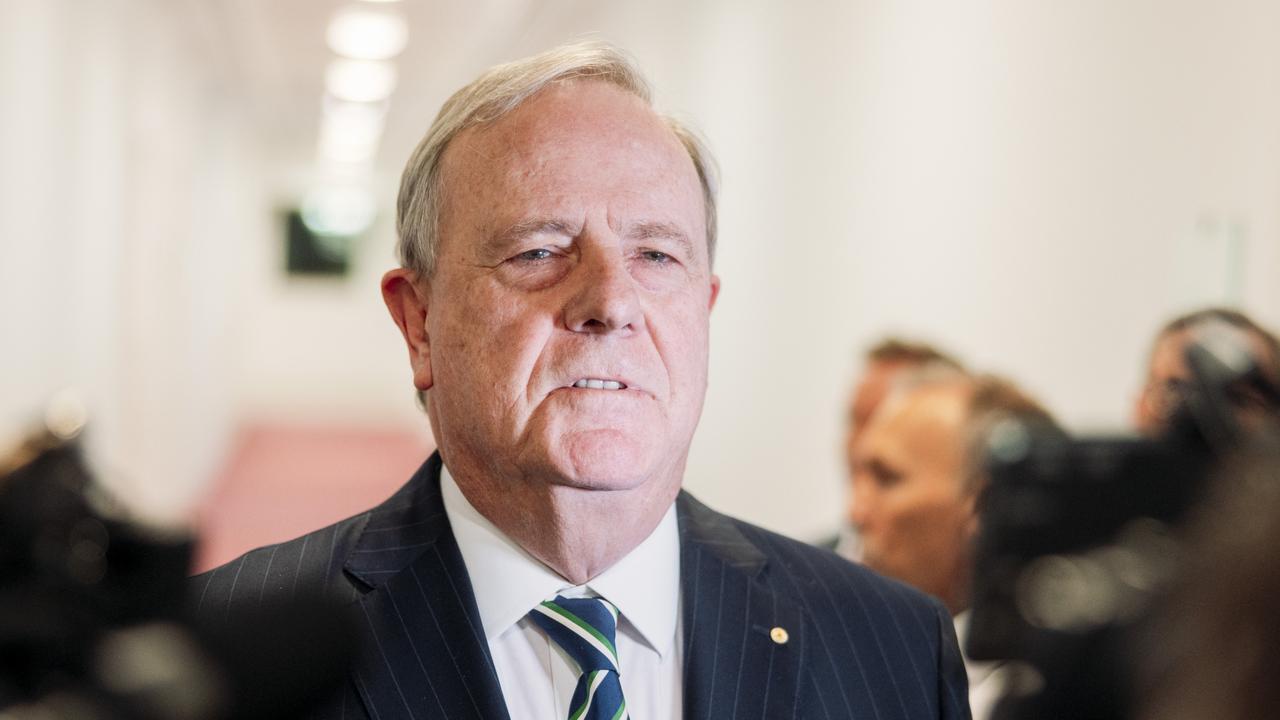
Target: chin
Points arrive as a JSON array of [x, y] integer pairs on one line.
[[605, 460]]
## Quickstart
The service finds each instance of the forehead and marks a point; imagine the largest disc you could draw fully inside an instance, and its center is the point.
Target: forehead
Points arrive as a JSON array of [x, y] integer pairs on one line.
[[1169, 362], [873, 386], [1167, 359], [920, 428], [574, 145]]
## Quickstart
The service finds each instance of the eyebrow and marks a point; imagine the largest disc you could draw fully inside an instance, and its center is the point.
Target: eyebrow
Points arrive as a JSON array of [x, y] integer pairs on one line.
[[644, 230], [532, 226], [656, 230]]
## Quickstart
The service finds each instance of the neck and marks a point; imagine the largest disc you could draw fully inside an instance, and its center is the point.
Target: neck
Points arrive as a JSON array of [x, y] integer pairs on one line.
[[955, 606], [579, 533], [959, 599]]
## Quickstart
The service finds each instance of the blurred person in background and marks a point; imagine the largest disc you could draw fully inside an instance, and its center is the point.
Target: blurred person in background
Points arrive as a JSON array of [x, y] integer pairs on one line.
[[1168, 376], [1213, 647], [918, 475], [555, 295], [885, 362]]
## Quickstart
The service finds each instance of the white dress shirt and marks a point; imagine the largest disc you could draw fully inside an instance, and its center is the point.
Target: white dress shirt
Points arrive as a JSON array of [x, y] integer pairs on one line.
[[537, 677], [849, 543], [987, 680]]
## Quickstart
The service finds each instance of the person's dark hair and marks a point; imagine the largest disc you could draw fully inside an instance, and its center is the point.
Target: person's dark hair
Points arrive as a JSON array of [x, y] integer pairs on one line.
[[894, 349], [1270, 365]]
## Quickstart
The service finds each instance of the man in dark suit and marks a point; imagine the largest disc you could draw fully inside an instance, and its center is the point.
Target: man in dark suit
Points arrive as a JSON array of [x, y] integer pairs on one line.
[[556, 237]]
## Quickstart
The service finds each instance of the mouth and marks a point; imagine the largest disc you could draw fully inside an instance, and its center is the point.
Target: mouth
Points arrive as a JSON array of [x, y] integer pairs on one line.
[[598, 384]]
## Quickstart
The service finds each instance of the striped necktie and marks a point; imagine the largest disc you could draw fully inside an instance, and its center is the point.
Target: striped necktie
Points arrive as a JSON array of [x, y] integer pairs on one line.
[[585, 628]]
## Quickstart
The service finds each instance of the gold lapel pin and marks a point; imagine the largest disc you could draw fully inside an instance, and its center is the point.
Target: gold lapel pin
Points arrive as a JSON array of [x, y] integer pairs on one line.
[[779, 635]]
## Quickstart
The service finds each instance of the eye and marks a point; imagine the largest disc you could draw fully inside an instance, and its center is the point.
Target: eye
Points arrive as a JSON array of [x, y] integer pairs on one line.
[[656, 256], [534, 255], [883, 476], [535, 268]]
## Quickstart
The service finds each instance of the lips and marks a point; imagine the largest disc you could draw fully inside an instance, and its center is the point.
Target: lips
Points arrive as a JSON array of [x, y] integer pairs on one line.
[[609, 376], [598, 384]]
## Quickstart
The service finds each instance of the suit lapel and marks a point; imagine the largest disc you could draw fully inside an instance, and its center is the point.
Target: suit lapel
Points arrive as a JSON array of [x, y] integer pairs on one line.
[[425, 655], [744, 643]]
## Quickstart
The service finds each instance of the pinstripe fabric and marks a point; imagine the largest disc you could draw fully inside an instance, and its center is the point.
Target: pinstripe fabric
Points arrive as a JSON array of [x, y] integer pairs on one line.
[[858, 645]]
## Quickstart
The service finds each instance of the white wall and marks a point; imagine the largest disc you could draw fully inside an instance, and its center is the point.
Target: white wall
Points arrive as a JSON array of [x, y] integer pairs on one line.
[[126, 183], [1025, 183]]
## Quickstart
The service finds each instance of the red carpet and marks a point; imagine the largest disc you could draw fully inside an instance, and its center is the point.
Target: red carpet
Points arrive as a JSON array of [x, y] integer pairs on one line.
[[280, 482]]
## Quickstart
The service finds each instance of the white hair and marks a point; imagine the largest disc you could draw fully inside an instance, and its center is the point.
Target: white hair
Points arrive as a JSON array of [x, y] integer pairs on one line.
[[497, 92]]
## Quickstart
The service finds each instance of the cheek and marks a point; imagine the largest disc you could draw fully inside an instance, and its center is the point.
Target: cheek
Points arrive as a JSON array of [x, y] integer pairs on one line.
[[909, 519], [494, 342], [680, 335], [932, 528]]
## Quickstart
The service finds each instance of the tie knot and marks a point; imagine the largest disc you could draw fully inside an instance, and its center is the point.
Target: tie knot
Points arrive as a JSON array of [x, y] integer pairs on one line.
[[585, 628]]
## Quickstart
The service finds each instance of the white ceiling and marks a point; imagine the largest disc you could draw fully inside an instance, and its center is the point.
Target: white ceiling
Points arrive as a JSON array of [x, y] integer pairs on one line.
[[273, 55]]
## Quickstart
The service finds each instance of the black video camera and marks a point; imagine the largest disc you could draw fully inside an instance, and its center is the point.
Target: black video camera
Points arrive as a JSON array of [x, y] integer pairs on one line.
[[1080, 538], [94, 622]]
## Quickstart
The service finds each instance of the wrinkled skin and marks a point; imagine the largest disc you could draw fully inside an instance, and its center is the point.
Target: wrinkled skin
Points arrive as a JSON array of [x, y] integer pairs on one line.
[[573, 246]]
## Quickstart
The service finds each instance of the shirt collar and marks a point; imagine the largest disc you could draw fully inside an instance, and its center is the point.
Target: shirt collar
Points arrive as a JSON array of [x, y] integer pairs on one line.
[[508, 582], [977, 670], [961, 621]]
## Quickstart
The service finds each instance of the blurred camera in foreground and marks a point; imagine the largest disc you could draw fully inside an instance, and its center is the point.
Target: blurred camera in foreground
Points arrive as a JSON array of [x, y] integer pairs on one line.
[[93, 620], [1083, 577]]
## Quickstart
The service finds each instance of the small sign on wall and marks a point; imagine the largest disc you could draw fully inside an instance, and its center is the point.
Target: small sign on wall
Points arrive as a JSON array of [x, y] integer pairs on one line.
[[1210, 262], [312, 254]]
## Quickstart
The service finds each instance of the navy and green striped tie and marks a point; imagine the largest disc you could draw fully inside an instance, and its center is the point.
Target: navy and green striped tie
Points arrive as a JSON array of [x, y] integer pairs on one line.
[[586, 628]]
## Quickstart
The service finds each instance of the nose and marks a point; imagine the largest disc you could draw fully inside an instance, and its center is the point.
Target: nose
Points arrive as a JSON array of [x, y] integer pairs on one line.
[[605, 298]]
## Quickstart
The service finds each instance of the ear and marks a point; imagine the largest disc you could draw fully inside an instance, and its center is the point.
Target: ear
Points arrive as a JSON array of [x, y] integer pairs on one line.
[[715, 291], [972, 523], [406, 298], [1142, 414]]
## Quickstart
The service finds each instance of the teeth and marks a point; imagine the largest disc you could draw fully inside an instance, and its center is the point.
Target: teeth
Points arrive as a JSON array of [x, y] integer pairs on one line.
[[596, 384]]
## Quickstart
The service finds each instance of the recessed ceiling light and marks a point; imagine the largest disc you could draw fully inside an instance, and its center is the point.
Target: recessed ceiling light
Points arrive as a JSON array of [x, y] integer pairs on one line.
[[349, 132], [337, 210], [367, 33], [360, 80]]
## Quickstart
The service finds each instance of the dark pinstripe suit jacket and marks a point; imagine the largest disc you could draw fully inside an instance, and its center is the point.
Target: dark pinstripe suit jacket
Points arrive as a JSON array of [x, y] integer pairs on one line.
[[860, 646]]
